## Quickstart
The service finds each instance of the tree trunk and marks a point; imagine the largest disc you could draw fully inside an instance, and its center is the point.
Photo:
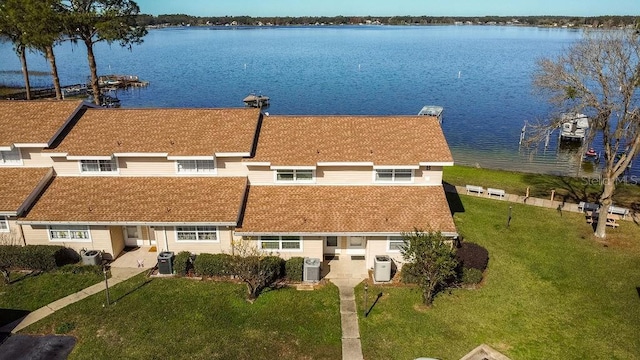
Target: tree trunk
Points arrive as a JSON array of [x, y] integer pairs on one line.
[[605, 201], [22, 52], [94, 72], [54, 71]]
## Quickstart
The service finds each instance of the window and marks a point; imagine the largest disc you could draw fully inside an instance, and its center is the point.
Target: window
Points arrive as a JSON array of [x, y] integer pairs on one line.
[[332, 241], [4, 224], [284, 243], [11, 157], [394, 175], [197, 233], [69, 233], [196, 166], [394, 243], [98, 166], [294, 175]]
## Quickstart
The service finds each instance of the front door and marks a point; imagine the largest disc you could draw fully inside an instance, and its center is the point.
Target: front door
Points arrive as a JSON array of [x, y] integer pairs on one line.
[[133, 236], [356, 245], [331, 245]]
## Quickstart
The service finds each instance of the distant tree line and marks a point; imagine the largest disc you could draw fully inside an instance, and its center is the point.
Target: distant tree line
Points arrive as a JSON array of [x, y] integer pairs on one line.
[[569, 21]]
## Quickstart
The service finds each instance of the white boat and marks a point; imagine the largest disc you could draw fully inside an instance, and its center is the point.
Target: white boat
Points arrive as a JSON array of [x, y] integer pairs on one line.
[[574, 127], [432, 110]]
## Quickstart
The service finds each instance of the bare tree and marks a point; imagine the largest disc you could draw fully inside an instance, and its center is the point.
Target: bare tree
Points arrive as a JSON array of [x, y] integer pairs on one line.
[[258, 270], [599, 76]]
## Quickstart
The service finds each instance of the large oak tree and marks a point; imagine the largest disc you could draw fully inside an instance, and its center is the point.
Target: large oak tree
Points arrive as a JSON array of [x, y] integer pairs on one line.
[[599, 76]]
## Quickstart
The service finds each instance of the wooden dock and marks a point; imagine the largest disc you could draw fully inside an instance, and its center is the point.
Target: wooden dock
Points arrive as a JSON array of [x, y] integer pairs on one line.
[[256, 101]]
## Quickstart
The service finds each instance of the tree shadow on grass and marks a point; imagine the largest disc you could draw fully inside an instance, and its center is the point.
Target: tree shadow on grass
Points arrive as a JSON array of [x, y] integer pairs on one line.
[[455, 204], [567, 188], [132, 290]]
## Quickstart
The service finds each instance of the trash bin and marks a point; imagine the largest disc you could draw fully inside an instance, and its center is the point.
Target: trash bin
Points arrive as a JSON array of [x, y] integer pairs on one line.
[[92, 257], [382, 268], [165, 262], [311, 270]]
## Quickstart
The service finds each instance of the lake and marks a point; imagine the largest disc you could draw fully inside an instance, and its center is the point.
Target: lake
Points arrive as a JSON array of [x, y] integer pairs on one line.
[[481, 75]]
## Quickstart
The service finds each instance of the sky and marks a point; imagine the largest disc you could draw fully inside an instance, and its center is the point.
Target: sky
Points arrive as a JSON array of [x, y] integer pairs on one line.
[[391, 7]]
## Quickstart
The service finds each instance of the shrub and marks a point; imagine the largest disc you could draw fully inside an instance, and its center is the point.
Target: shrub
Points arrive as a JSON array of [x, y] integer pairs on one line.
[[293, 268], [37, 257], [471, 276], [273, 265], [470, 255], [212, 265], [81, 269], [407, 275], [182, 263]]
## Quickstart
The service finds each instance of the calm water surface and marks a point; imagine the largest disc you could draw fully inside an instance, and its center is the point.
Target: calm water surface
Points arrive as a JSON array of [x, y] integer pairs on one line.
[[481, 75]]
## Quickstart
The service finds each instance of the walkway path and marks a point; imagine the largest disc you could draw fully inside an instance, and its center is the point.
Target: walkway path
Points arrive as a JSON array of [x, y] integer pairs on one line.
[[547, 203], [351, 346], [118, 275]]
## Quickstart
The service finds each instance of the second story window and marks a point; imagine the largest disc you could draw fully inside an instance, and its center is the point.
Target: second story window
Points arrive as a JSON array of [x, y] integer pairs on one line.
[[11, 157], [196, 166], [98, 166], [394, 175], [294, 175]]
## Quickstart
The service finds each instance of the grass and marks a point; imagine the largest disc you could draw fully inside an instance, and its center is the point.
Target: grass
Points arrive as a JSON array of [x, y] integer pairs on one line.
[[182, 318], [31, 292], [567, 188], [551, 291]]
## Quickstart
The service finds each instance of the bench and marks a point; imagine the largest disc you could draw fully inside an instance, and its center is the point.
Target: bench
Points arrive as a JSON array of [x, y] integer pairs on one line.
[[616, 210], [476, 189], [587, 206], [496, 192]]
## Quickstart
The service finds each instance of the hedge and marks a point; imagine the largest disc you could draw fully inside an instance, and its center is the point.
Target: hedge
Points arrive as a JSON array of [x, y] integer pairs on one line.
[[37, 257], [182, 263], [470, 255], [273, 265], [212, 265], [293, 268]]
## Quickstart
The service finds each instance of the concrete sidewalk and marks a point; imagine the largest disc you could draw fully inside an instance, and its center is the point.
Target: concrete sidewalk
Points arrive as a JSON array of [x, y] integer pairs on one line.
[[547, 203], [118, 275], [351, 346]]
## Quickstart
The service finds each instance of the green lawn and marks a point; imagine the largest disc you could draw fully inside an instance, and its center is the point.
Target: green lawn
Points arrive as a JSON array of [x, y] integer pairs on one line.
[[30, 292], [540, 185], [186, 319], [551, 292]]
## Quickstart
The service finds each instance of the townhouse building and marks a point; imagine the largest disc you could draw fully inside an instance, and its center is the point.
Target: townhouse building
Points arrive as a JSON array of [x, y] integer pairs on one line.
[[340, 187]]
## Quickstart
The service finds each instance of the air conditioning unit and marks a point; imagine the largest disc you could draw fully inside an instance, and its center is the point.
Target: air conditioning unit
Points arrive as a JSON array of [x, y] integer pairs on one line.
[[311, 270]]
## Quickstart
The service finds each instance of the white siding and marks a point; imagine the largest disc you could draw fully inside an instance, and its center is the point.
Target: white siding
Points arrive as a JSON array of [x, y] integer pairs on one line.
[[166, 241], [64, 167], [100, 239], [311, 247], [377, 245], [231, 167], [150, 166], [32, 157]]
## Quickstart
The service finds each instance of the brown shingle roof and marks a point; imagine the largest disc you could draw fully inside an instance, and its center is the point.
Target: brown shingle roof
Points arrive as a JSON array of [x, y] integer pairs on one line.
[[33, 122], [16, 184], [346, 209], [383, 140], [179, 132], [148, 200]]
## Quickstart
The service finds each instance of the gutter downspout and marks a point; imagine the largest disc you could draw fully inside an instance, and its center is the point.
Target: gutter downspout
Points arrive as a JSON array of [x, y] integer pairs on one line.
[[166, 243]]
